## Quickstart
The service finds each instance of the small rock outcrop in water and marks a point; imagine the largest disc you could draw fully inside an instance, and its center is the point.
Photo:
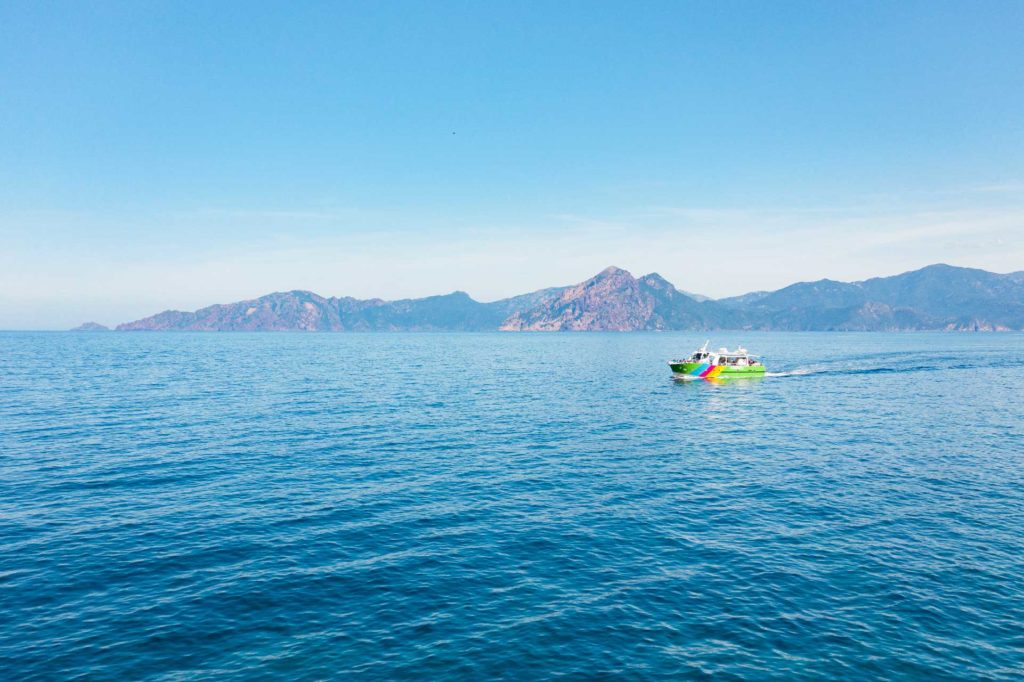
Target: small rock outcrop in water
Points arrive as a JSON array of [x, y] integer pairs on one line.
[[91, 327], [938, 297]]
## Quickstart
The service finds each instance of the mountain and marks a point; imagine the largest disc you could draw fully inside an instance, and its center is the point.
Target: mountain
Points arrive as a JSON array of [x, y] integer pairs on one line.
[[955, 298], [612, 300], [306, 311], [938, 297], [676, 309]]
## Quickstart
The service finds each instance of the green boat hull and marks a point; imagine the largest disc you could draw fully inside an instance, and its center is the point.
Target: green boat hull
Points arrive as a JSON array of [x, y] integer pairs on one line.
[[699, 370]]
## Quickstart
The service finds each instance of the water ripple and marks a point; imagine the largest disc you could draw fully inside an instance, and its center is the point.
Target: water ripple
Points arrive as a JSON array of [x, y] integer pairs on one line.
[[491, 506]]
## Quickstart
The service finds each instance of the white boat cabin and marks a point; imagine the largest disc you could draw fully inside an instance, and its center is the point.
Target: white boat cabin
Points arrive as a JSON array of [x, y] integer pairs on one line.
[[737, 358]]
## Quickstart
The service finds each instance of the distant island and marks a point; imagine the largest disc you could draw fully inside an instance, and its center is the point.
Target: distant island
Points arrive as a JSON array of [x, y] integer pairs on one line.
[[938, 297], [91, 327]]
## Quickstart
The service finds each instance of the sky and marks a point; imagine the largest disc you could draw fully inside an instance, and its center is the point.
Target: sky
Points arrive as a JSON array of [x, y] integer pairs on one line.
[[159, 155]]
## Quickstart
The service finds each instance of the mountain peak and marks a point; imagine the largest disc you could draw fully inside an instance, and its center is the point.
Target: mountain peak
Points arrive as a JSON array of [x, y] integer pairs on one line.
[[457, 295], [611, 271], [656, 281], [936, 269]]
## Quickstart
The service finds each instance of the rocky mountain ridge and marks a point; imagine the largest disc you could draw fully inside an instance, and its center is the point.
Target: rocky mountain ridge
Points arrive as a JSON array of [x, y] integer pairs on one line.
[[938, 297]]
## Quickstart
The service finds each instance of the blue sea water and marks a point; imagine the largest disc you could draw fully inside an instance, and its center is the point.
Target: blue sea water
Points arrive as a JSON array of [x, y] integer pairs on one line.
[[509, 506]]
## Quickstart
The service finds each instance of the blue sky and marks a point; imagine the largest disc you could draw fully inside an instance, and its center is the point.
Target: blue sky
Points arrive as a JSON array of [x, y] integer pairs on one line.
[[171, 155]]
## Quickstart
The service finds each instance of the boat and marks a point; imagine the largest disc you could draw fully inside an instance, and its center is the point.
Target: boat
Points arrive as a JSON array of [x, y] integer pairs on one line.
[[720, 364]]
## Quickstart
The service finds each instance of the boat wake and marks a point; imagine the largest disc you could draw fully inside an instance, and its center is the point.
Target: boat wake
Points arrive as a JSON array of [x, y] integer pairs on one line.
[[794, 373], [899, 366], [851, 371]]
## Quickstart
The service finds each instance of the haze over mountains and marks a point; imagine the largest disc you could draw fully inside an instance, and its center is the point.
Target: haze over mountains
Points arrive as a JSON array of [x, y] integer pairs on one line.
[[938, 297]]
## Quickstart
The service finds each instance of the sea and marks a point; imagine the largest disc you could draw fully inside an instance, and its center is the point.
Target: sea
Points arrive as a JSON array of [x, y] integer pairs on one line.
[[498, 506]]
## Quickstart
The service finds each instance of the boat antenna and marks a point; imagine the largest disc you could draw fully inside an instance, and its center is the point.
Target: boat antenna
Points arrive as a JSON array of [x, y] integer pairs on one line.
[[705, 346]]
